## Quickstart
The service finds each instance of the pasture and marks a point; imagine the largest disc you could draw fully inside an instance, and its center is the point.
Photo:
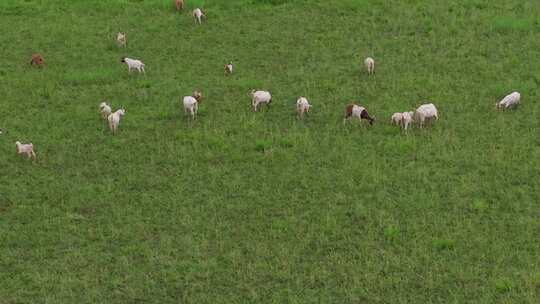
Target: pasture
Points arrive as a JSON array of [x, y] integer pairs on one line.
[[243, 207]]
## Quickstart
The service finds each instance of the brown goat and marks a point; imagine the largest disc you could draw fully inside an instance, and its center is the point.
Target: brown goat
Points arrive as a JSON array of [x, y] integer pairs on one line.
[[179, 4], [37, 60]]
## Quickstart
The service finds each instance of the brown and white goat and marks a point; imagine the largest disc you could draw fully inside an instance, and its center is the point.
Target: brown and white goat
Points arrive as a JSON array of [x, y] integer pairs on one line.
[[228, 68], [191, 103], [356, 111], [37, 60]]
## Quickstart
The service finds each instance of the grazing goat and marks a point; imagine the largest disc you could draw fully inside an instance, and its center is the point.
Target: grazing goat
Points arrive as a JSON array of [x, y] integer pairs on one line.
[[105, 110], [406, 120], [258, 97], [179, 4], [228, 68], [353, 110], [396, 118], [425, 113], [114, 120], [37, 60], [191, 103], [133, 64], [511, 100], [369, 63], [27, 149], [302, 107], [121, 39], [198, 14]]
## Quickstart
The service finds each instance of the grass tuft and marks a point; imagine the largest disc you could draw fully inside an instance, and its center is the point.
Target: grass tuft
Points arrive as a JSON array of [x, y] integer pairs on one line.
[[444, 244]]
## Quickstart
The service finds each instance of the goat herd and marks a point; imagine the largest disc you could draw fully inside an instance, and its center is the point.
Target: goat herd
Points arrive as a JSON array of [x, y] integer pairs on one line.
[[425, 113]]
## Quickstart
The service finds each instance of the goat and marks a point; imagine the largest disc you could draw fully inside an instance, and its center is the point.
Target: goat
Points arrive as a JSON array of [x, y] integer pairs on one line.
[[198, 14], [406, 120], [425, 112], [105, 110], [511, 100], [353, 110], [26, 149], [114, 120], [121, 39], [179, 4], [37, 60], [258, 97], [302, 107], [228, 68], [191, 103], [369, 63], [133, 64]]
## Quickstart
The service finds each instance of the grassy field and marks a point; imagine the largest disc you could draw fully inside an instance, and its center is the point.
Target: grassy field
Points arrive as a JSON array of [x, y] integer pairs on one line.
[[243, 207]]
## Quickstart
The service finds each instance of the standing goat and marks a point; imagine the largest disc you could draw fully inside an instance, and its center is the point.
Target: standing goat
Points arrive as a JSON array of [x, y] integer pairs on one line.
[[369, 64], [228, 68], [114, 120], [302, 107], [121, 39], [511, 100], [354, 110], [191, 103], [105, 110], [258, 97], [425, 113], [406, 120], [396, 118], [26, 149], [179, 4], [133, 64], [198, 15], [37, 60]]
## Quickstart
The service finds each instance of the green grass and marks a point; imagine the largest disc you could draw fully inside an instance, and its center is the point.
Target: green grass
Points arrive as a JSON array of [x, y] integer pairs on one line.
[[242, 207]]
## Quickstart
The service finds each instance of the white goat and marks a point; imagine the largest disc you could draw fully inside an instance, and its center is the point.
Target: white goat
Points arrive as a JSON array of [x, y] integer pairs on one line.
[[114, 120], [198, 14], [258, 97], [191, 103], [105, 110], [26, 149], [121, 39], [302, 107], [369, 63], [511, 100], [425, 112], [133, 64], [406, 120], [396, 118]]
